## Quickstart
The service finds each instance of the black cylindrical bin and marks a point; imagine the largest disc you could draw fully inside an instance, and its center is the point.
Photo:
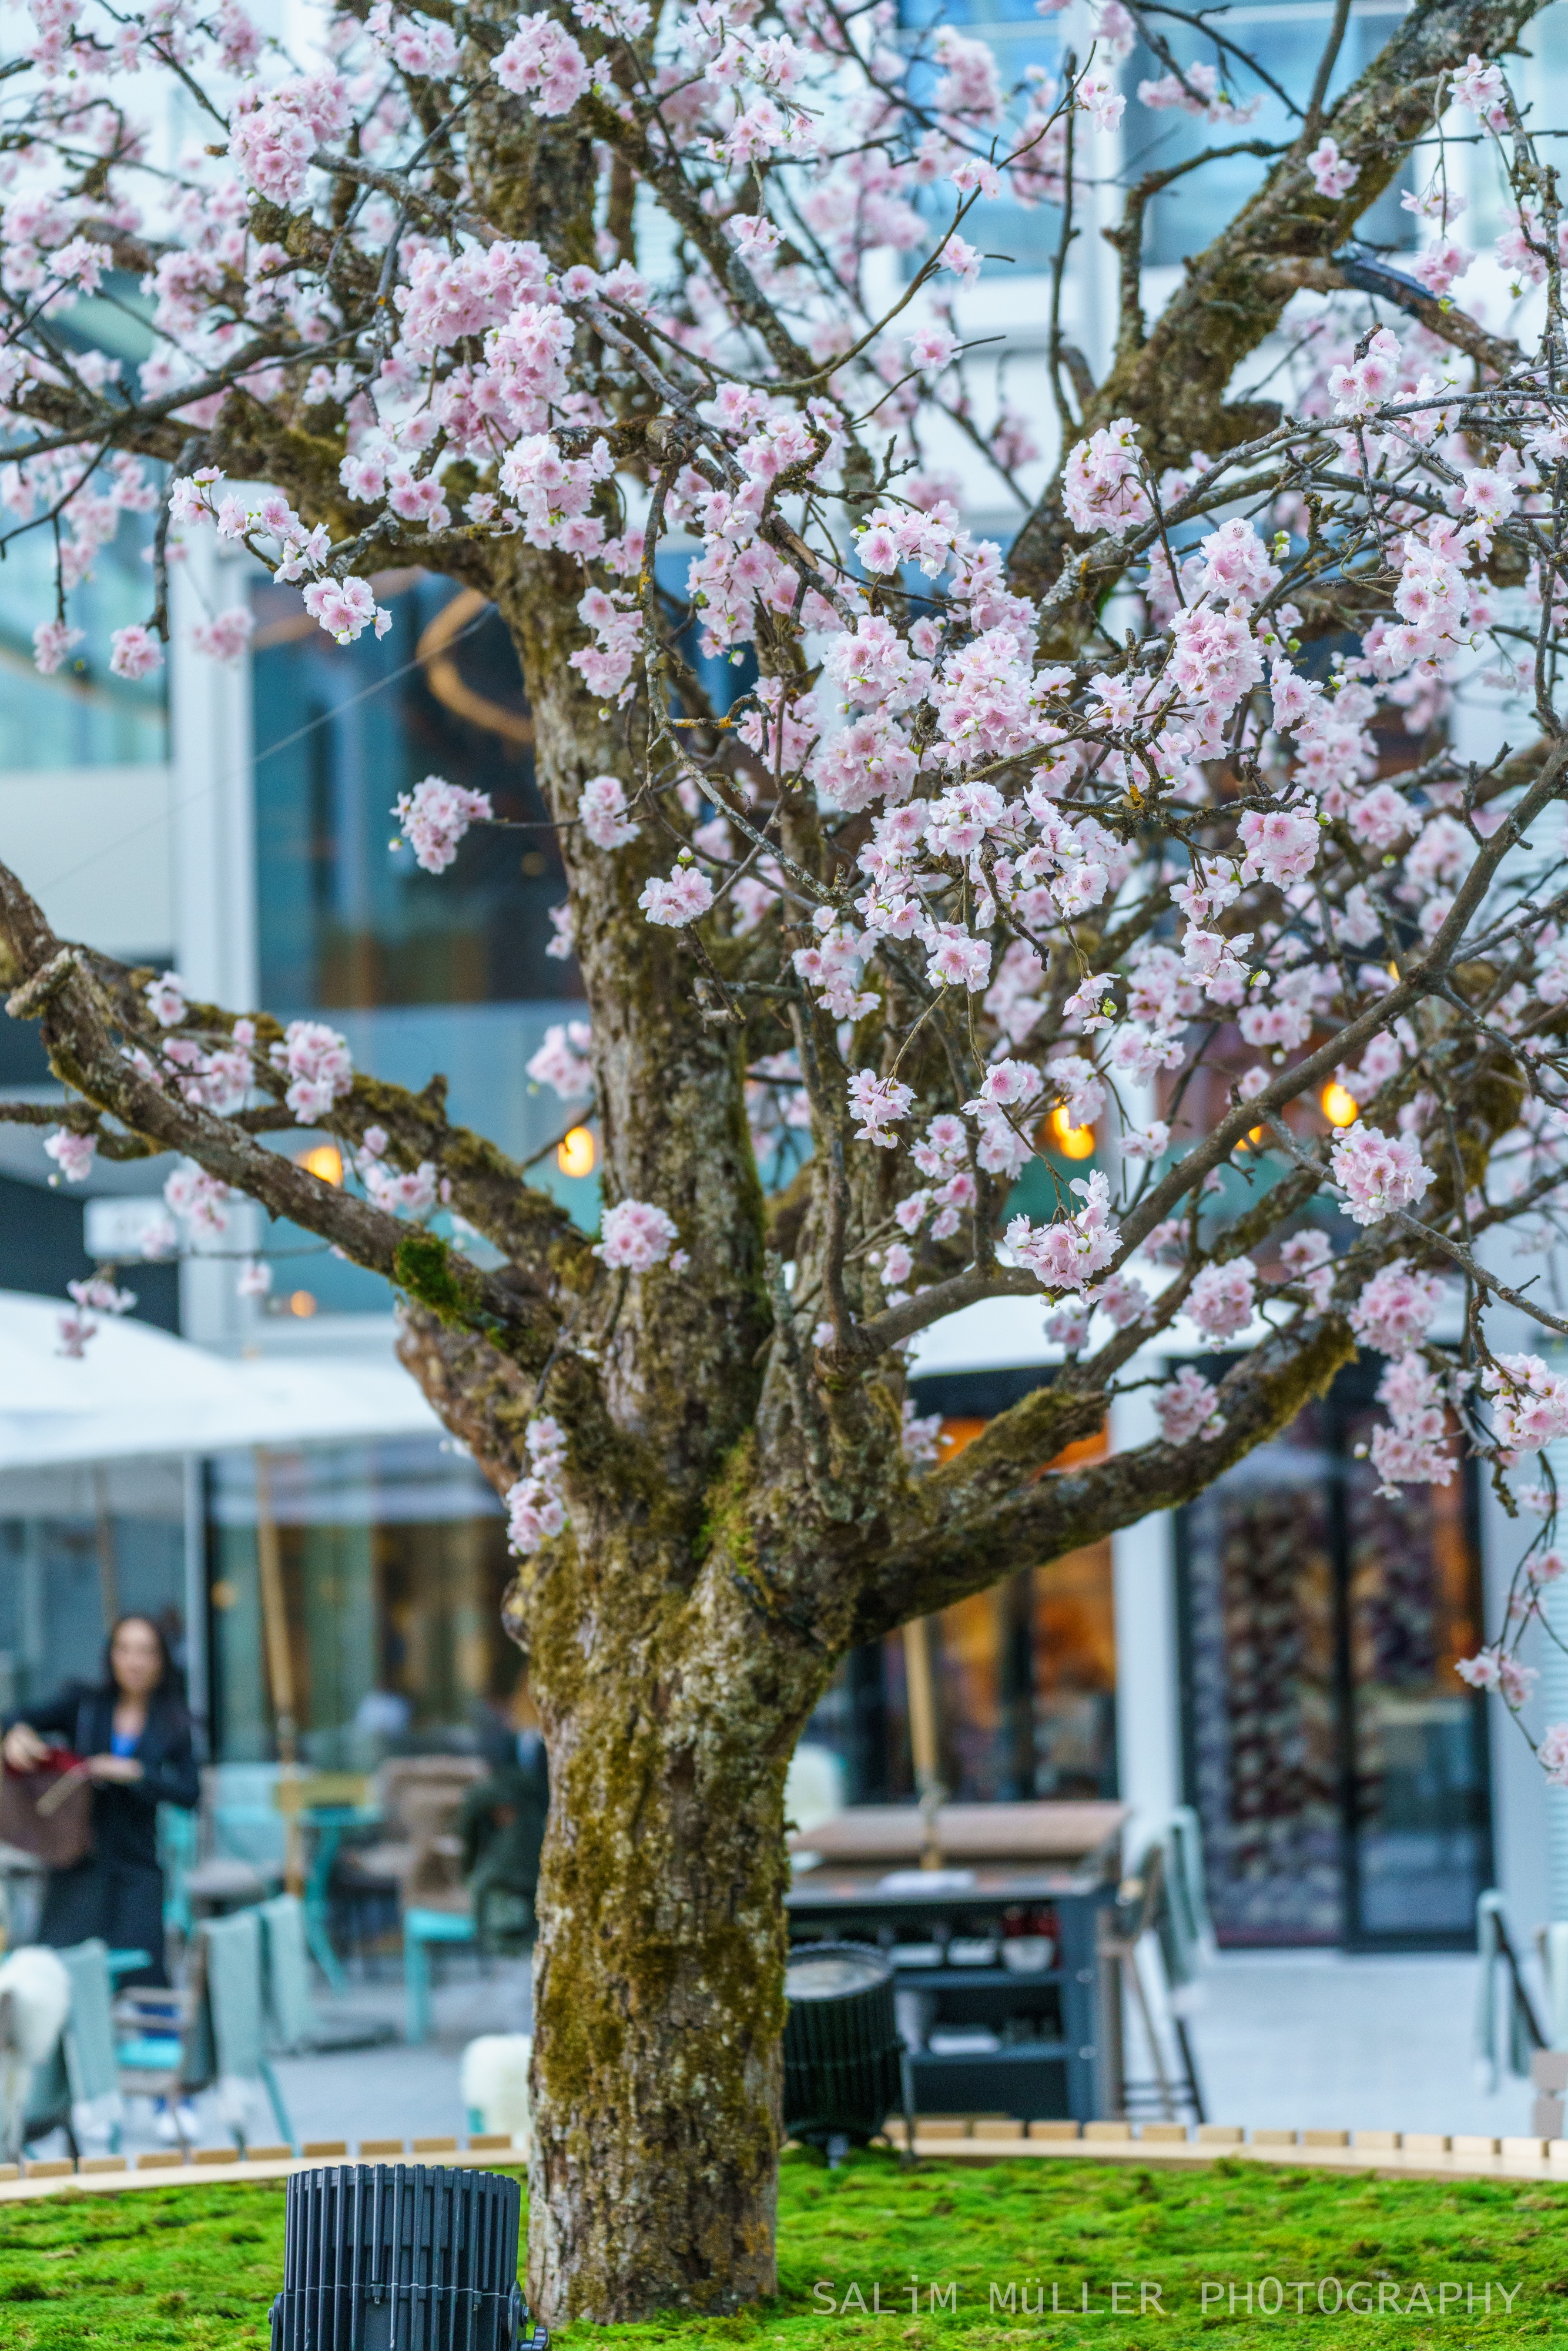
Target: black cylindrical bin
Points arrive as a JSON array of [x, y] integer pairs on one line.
[[842, 2054], [400, 2257]]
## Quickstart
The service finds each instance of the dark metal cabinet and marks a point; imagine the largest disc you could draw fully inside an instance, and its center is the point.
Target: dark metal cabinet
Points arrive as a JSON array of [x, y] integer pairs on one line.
[[1050, 2060]]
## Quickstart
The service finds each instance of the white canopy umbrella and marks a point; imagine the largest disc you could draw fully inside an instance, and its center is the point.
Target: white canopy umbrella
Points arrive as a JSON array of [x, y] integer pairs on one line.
[[138, 1392]]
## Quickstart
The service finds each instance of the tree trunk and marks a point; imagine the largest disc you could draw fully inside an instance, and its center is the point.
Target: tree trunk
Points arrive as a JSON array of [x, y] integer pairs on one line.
[[658, 1989]]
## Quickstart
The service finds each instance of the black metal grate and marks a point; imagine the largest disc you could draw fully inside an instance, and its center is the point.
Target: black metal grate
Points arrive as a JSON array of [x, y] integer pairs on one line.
[[400, 2257], [842, 2054]]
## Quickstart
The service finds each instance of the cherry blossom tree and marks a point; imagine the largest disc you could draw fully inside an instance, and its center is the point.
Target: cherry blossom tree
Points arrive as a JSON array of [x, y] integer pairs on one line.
[[1210, 829]]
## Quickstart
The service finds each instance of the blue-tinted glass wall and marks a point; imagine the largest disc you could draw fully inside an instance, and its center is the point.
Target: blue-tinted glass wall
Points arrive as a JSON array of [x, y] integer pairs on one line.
[[346, 920]]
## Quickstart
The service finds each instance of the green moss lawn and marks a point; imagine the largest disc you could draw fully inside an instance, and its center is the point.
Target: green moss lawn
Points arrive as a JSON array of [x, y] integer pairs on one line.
[[1164, 2260]]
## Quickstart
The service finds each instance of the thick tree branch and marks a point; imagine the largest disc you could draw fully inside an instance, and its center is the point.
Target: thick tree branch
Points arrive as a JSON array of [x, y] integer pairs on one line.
[[56, 986], [1174, 386], [1037, 1518]]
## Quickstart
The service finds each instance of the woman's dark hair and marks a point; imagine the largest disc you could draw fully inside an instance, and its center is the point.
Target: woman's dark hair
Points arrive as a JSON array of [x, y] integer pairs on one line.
[[166, 1696]]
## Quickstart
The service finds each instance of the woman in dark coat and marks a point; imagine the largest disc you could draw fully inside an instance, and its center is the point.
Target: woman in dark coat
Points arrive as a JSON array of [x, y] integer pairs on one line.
[[134, 1735]]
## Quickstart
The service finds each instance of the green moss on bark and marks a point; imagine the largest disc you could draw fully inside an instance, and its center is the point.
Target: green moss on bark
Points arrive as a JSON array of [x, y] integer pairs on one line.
[[437, 1277]]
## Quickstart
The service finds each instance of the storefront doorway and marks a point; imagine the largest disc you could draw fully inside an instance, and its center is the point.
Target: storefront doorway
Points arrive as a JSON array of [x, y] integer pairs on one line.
[[1336, 1762]]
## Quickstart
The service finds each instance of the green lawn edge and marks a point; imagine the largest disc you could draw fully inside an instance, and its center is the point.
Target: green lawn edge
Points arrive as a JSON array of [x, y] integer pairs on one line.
[[1124, 2259]]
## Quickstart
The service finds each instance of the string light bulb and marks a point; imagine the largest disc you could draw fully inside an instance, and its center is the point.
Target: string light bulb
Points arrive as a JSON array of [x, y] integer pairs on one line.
[[575, 1153], [1339, 1106], [1073, 1142], [325, 1160]]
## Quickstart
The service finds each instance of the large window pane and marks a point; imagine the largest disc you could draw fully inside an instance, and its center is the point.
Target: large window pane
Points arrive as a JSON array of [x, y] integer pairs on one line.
[[81, 717], [347, 920], [1287, 42], [394, 1564]]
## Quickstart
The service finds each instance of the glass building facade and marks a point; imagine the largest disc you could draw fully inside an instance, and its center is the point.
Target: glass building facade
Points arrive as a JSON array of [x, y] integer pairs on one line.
[[423, 973], [1338, 1765], [393, 1564], [78, 1548], [1025, 1673]]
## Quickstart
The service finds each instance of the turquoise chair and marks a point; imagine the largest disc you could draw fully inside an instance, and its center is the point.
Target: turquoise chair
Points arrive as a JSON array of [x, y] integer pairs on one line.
[[234, 2004], [290, 2003], [80, 2070], [178, 1830], [163, 2045], [87, 2041], [296, 2021], [421, 1928]]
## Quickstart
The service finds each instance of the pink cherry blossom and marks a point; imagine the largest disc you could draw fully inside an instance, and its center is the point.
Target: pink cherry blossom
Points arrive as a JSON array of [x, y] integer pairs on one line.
[[1066, 1255], [920, 1433], [1395, 1310], [345, 607], [535, 1515], [1481, 88], [1188, 1406], [75, 1330], [411, 1192], [135, 653], [318, 1065], [165, 1000], [635, 1235], [1332, 175], [879, 1104], [1097, 94], [601, 810], [72, 1154], [52, 641], [1280, 846], [434, 817], [1069, 1327], [678, 899], [1529, 1403], [1125, 1300], [1101, 485], [561, 1061], [1379, 1173], [542, 61], [226, 638], [1411, 1450], [1220, 1301], [200, 1198]]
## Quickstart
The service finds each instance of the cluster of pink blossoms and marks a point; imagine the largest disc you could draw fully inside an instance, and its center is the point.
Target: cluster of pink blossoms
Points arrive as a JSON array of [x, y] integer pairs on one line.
[[198, 1199], [1529, 1404], [1188, 1406], [320, 1067], [561, 1062], [97, 1295], [1067, 1254], [535, 1511], [636, 1236], [72, 1154], [434, 817]]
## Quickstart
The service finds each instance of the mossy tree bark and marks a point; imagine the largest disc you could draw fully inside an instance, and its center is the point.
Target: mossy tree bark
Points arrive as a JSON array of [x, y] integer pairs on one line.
[[658, 1971], [740, 1511]]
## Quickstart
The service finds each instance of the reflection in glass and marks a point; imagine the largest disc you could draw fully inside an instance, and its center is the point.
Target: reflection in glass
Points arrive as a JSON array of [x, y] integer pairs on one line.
[[1026, 1683], [348, 921], [1337, 1764], [394, 1566], [82, 716]]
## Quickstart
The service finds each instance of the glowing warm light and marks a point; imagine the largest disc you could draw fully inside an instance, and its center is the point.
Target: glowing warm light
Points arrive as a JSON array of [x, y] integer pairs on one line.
[[1073, 1142], [576, 1154], [324, 1160], [1340, 1106], [303, 1303]]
